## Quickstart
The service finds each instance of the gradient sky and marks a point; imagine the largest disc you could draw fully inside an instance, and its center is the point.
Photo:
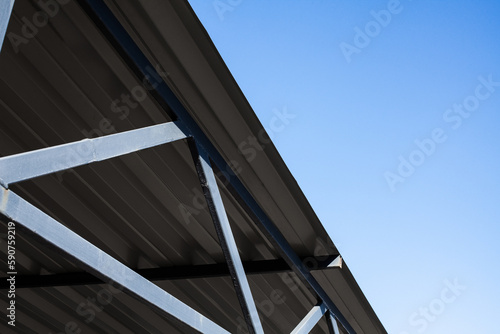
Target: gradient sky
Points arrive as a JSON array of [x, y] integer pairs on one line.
[[358, 115]]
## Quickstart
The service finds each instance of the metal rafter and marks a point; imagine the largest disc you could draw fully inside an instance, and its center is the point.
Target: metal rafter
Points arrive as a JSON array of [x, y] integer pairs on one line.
[[42, 227]]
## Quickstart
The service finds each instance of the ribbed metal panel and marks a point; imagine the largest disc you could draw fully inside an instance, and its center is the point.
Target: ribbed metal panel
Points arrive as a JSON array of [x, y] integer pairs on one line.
[[146, 209]]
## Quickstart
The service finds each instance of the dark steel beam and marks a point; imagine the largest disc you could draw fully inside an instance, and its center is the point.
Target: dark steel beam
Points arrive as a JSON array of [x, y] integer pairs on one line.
[[226, 238], [141, 66], [273, 234], [36, 224], [162, 274]]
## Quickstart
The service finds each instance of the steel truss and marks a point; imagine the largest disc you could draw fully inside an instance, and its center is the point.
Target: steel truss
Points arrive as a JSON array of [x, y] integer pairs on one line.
[[105, 268]]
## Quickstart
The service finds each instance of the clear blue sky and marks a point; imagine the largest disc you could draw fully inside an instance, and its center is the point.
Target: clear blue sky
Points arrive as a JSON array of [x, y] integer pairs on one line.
[[407, 217]]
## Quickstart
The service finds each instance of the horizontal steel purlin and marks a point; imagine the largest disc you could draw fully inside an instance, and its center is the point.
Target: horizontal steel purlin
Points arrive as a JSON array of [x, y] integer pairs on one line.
[[310, 320], [38, 225], [24, 166], [275, 266]]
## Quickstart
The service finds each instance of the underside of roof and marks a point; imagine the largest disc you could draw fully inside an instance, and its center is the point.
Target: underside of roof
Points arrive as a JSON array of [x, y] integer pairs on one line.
[[64, 81]]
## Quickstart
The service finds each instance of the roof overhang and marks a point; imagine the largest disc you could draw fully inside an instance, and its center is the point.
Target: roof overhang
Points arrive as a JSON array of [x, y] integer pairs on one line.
[[69, 82]]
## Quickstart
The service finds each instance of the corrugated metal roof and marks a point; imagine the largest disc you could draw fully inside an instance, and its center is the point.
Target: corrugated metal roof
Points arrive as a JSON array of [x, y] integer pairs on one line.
[[146, 209]]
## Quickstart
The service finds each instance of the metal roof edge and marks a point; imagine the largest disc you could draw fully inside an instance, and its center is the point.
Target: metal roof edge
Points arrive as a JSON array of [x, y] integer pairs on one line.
[[256, 172]]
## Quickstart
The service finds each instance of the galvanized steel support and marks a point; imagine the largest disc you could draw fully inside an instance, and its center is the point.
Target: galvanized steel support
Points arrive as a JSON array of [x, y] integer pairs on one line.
[[24, 166], [310, 320], [226, 238], [42, 227], [32, 164], [332, 323]]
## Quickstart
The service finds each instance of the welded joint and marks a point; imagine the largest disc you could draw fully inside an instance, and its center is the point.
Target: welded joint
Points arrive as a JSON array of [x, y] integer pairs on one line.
[[311, 319], [3, 184]]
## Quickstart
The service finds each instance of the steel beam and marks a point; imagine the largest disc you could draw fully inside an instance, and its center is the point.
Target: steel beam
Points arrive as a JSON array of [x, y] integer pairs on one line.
[[24, 166], [141, 66], [5, 13], [310, 320], [160, 274], [226, 238], [37, 224], [282, 246]]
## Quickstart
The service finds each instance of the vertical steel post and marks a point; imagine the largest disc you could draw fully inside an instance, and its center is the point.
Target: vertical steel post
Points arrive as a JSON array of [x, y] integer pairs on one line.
[[226, 238]]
